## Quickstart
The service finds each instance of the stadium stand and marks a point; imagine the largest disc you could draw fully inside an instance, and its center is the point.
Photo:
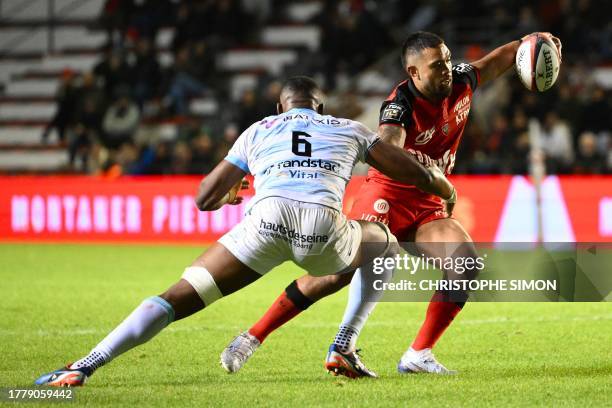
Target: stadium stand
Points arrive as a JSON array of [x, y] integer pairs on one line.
[[164, 87]]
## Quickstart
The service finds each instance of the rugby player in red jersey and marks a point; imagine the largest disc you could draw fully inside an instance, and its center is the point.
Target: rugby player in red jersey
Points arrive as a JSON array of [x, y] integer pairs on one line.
[[426, 115]]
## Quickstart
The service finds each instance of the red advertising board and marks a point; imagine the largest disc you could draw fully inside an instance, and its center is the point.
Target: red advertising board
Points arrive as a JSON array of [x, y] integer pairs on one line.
[[161, 209]]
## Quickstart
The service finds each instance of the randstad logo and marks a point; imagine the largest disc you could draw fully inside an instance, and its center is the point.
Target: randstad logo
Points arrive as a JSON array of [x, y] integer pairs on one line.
[[425, 136], [327, 165]]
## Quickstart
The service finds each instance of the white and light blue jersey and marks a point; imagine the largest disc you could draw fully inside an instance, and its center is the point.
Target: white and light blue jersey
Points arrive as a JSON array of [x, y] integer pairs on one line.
[[302, 155]]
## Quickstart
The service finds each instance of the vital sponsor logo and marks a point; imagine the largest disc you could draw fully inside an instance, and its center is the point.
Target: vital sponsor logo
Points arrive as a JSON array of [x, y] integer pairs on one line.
[[302, 174], [290, 235], [381, 206], [425, 136]]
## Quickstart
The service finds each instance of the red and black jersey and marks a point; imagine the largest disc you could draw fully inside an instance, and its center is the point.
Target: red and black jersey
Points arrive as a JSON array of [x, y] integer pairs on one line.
[[433, 130]]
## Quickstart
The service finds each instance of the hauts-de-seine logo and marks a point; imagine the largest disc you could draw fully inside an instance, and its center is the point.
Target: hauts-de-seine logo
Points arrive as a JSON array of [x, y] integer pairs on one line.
[[381, 206]]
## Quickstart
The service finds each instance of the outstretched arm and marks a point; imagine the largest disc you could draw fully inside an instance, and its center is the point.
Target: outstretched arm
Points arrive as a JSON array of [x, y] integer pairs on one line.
[[498, 61], [402, 166], [220, 187]]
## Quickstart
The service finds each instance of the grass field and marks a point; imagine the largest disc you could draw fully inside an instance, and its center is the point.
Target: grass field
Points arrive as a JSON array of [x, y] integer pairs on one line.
[[58, 301]]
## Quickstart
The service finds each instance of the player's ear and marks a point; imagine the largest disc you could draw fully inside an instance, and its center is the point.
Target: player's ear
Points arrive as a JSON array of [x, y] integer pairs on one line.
[[279, 108], [320, 109], [412, 71]]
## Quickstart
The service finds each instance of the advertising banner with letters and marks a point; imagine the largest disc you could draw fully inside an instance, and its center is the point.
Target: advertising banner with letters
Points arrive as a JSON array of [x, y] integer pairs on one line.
[[161, 209]]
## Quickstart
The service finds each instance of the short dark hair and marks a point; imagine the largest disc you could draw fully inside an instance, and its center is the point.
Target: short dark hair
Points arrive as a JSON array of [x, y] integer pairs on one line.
[[302, 87], [417, 42]]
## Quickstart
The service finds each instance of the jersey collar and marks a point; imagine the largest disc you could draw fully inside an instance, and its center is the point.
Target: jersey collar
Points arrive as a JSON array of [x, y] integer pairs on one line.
[[301, 110], [413, 89]]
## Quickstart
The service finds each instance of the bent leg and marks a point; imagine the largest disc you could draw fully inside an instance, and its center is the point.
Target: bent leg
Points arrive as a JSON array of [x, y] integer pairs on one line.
[[212, 275], [433, 238], [297, 297], [377, 241], [215, 273], [307, 289]]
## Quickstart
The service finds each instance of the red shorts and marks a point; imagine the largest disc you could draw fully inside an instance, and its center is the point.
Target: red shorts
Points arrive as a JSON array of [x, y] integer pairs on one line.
[[402, 210]]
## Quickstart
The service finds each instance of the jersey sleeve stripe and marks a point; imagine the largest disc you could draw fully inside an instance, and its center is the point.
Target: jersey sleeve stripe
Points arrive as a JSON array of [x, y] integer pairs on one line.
[[374, 143], [238, 163]]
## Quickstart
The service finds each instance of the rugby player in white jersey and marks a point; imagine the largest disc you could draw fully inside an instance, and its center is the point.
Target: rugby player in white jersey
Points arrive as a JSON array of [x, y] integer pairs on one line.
[[301, 161]]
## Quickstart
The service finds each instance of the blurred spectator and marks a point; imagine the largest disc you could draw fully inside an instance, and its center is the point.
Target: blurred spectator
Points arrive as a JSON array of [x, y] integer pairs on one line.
[[85, 132], [193, 23], [270, 98], [185, 83], [231, 23], [568, 106], [249, 110], [162, 159], [202, 160], [351, 39], [598, 118], [146, 17], [181, 158], [65, 99], [113, 71], [230, 134], [146, 72], [588, 159], [114, 19], [120, 121], [555, 140]]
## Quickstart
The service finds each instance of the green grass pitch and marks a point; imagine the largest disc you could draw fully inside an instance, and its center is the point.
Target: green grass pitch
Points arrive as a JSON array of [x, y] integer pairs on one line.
[[57, 301]]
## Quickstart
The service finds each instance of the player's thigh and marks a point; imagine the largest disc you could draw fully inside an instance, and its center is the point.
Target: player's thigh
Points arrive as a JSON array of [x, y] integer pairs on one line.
[[442, 230], [442, 238], [228, 272]]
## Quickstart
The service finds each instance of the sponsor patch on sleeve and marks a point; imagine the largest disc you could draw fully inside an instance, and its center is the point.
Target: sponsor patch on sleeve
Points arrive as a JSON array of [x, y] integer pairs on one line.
[[392, 111], [463, 68]]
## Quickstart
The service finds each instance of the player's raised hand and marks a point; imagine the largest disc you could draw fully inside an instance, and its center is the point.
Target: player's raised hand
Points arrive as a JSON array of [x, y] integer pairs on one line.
[[552, 38], [450, 203], [452, 199]]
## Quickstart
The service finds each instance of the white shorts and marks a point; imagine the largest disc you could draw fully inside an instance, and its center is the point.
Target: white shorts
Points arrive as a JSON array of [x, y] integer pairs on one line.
[[317, 238]]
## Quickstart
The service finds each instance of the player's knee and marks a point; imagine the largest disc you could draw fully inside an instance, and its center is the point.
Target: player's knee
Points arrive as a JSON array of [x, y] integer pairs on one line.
[[392, 247], [378, 239], [297, 297], [203, 283]]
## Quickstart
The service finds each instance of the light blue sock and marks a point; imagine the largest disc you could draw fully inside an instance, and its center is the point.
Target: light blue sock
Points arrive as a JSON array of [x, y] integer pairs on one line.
[[148, 319], [361, 302]]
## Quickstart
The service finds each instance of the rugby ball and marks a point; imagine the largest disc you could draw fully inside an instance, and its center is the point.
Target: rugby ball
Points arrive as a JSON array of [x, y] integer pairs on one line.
[[537, 63]]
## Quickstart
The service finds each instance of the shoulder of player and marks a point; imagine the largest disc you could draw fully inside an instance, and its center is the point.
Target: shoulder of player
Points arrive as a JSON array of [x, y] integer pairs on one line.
[[400, 92], [360, 127], [461, 73]]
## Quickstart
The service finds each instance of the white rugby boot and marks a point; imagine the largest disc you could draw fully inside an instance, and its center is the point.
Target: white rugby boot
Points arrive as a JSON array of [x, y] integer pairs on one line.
[[422, 361], [237, 353]]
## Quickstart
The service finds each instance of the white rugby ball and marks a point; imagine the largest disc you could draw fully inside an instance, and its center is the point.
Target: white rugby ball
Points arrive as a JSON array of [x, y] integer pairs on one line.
[[537, 63]]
